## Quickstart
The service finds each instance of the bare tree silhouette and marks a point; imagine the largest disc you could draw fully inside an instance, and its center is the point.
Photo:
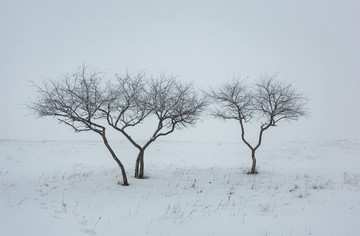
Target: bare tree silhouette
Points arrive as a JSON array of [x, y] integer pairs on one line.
[[269, 101], [173, 104], [76, 100]]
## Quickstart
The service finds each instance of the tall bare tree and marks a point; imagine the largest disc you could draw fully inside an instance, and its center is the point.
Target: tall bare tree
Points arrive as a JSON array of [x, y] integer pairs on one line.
[[269, 101], [75, 100], [173, 104]]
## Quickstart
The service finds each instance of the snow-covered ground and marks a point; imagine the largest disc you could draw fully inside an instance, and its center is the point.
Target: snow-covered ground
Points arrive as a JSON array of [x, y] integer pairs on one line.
[[70, 188]]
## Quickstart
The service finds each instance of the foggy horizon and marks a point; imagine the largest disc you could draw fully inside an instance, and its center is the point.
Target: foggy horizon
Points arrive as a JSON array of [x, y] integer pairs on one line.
[[310, 44]]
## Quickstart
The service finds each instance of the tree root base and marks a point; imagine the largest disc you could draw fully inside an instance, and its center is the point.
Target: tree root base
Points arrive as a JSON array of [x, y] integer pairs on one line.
[[252, 172], [142, 177], [122, 184]]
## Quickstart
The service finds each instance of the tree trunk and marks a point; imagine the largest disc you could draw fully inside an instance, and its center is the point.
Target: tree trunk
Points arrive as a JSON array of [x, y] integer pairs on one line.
[[141, 174], [139, 166], [253, 167], [123, 172]]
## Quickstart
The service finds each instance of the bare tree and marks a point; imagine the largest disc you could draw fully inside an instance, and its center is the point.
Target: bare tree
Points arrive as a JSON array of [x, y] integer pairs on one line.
[[173, 104], [270, 101], [128, 106], [75, 100]]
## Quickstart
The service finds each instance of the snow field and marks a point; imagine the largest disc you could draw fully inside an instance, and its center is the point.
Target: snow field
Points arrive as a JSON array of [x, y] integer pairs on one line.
[[70, 188]]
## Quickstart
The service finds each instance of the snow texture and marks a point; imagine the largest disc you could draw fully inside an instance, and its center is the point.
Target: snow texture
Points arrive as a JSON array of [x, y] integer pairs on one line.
[[70, 188]]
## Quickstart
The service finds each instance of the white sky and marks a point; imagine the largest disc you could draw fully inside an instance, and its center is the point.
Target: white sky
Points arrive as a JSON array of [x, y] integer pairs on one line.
[[314, 44]]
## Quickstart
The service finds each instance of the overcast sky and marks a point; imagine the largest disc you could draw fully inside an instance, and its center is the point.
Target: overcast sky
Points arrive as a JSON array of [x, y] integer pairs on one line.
[[312, 44]]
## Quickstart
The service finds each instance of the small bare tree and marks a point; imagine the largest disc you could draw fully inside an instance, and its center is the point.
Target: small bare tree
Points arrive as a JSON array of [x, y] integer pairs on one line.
[[270, 101], [76, 100], [173, 104]]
